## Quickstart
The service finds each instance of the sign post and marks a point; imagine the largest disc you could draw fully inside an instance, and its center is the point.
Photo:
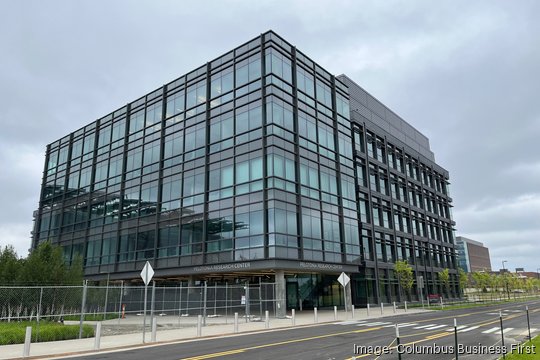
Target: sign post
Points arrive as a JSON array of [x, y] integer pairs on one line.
[[344, 280], [146, 274]]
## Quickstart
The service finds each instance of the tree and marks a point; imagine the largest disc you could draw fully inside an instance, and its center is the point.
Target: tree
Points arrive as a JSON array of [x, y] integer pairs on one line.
[[463, 280], [444, 278], [405, 276], [10, 265], [480, 279], [45, 265]]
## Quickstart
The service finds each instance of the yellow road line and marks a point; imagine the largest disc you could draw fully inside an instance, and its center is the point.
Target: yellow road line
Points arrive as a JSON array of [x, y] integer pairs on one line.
[[427, 338], [209, 356], [236, 351]]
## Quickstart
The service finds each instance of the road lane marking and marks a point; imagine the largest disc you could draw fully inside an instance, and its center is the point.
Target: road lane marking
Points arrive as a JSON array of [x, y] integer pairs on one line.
[[375, 324], [470, 329], [458, 328], [214, 355], [424, 326], [435, 327], [351, 322], [526, 332], [491, 330], [236, 351]]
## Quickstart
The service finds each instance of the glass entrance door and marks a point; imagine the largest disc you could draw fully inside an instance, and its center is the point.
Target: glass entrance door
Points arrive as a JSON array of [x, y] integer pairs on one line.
[[292, 295]]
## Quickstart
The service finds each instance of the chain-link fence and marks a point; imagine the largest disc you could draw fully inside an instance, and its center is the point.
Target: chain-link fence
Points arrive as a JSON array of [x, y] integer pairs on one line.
[[121, 307]]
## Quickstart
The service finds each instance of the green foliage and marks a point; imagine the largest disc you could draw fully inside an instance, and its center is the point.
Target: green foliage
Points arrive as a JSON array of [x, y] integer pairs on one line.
[[404, 274], [14, 332], [10, 265], [524, 356], [444, 278], [44, 266], [481, 280], [463, 279]]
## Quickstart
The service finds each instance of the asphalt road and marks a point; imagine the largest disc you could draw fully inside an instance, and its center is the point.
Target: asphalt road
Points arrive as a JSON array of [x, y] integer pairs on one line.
[[478, 329]]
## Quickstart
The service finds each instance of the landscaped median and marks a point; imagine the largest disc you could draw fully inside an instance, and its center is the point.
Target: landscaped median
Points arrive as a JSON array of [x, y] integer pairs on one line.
[[14, 332], [528, 350]]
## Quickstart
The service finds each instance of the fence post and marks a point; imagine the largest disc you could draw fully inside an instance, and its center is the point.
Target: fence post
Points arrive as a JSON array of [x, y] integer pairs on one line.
[[266, 320], [83, 305], [293, 317], [215, 298], [235, 322], [120, 310], [260, 298], [205, 298], [199, 323], [226, 300], [315, 316], [153, 301], [97, 339], [247, 300], [106, 297], [27, 341], [154, 329], [40, 304], [442, 306]]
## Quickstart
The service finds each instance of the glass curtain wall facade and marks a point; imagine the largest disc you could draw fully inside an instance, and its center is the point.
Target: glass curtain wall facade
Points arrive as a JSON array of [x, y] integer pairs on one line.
[[249, 158]]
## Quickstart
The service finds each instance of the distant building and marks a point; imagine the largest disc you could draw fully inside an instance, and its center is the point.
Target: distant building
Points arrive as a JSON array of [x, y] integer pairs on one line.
[[472, 255]]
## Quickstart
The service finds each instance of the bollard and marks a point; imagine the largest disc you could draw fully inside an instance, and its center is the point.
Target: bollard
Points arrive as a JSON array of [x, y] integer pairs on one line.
[[442, 306], [335, 312], [398, 343], [405, 306], [352, 311], [199, 325], [235, 322], [455, 338], [293, 317], [394, 307], [315, 316], [528, 322], [266, 320], [154, 329], [367, 309], [97, 339], [27, 341], [502, 333], [382, 308]]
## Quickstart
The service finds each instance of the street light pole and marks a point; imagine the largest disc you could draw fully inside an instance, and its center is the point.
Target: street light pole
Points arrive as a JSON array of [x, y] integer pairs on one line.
[[505, 279]]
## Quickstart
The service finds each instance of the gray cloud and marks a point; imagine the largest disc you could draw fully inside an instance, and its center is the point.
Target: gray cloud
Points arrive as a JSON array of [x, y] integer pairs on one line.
[[464, 73]]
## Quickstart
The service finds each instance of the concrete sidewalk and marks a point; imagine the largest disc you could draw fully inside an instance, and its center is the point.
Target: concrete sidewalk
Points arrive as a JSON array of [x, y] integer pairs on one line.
[[213, 328]]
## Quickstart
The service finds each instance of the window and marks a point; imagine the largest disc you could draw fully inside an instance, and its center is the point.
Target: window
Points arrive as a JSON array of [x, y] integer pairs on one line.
[[175, 104], [222, 83], [248, 70], [280, 114], [305, 81], [196, 94], [278, 64], [248, 118]]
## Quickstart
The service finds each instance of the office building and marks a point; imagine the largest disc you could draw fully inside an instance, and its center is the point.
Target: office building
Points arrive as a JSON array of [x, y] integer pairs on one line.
[[472, 255], [258, 164]]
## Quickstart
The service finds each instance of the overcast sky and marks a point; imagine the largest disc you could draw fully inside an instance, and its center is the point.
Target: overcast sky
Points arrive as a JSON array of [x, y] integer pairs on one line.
[[465, 73]]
